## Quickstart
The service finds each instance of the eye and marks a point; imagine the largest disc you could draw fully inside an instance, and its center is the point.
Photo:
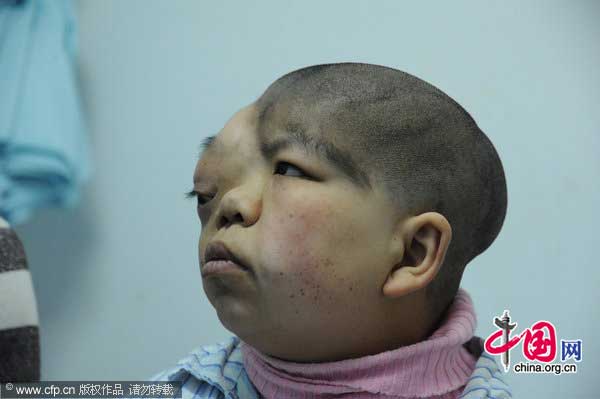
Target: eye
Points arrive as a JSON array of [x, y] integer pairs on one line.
[[202, 198], [283, 167]]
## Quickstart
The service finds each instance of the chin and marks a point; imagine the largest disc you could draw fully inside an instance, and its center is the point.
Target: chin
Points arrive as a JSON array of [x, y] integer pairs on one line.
[[234, 315]]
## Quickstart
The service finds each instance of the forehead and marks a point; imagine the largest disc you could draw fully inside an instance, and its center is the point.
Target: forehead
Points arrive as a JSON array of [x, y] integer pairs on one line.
[[238, 134], [251, 130]]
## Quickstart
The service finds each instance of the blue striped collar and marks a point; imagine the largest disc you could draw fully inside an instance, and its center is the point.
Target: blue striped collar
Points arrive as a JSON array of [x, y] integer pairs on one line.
[[219, 365]]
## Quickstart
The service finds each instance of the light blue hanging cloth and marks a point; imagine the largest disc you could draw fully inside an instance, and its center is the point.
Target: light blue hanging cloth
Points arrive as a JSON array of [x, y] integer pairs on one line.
[[44, 148]]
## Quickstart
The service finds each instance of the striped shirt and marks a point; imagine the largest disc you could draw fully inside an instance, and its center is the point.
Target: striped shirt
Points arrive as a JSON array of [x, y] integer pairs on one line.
[[217, 371], [19, 325]]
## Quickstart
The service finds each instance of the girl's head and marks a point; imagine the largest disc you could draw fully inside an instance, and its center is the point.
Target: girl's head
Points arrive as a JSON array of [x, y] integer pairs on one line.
[[355, 194]]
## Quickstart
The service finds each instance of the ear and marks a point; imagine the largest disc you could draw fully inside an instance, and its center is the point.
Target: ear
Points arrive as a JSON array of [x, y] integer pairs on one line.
[[420, 248]]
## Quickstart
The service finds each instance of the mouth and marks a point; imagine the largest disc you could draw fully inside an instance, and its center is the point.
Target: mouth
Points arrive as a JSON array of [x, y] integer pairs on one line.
[[219, 258]]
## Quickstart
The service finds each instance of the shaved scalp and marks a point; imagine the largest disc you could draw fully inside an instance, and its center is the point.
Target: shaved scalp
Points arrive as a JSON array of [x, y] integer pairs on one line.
[[414, 141]]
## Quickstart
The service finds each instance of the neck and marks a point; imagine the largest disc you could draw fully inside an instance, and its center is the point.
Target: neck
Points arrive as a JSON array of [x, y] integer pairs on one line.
[[436, 366]]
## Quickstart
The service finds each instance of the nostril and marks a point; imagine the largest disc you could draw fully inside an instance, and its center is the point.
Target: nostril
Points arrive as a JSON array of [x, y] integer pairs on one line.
[[237, 218], [222, 222], [225, 221]]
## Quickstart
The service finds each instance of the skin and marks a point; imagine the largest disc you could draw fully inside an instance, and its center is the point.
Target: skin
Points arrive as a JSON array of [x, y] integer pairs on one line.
[[336, 271]]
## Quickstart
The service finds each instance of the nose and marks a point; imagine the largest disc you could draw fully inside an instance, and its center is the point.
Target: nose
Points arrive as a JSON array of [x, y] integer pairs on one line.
[[240, 205]]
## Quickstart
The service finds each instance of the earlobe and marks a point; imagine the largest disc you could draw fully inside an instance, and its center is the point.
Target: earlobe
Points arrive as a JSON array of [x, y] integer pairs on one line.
[[400, 282], [427, 238]]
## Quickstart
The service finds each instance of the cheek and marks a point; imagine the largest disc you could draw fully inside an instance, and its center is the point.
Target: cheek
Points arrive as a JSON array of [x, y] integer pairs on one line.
[[295, 239], [307, 250]]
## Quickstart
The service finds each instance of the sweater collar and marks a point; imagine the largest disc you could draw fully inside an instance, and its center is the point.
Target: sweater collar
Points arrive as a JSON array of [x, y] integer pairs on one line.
[[433, 367]]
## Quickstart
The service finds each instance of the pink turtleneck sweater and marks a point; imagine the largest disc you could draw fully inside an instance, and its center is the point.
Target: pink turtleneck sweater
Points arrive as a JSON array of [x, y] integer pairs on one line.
[[437, 367]]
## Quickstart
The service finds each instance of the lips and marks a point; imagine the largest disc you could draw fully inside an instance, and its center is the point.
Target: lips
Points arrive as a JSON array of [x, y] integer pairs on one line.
[[219, 251]]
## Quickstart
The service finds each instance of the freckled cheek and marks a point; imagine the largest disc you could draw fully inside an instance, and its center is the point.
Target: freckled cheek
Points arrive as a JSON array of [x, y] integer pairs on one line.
[[293, 238]]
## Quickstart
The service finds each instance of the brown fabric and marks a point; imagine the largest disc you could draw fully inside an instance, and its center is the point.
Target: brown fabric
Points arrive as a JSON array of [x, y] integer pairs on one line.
[[20, 355], [20, 346], [474, 346], [12, 253]]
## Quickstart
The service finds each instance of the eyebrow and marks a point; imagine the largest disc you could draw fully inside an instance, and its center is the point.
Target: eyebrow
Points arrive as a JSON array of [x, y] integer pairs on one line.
[[208, 143], [326, 150], [323, 149]]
